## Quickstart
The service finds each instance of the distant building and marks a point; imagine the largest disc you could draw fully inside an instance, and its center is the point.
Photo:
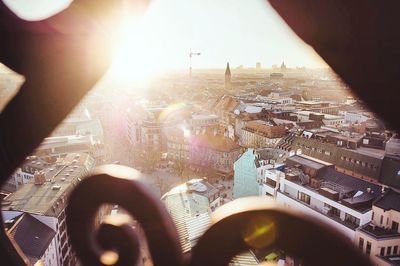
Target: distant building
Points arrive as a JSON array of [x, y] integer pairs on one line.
[[275, 98], [198, 122], [258, 65], [392, 147], [250, 168], [146, 129], [61, 145], [283, 66], [257, 134], [276, 76], [327, 119], [228, 77], [45, 198], [355, 117], [213, 152], [380, 239], [319, 107]]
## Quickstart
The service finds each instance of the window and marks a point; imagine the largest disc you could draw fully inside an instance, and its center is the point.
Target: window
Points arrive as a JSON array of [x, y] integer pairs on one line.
[[351, 219], [382, 251], [303, 197], [372, 215], [381, 219], [368, 248], [361, 243], [389, 251], [395, 250], [395, 226]]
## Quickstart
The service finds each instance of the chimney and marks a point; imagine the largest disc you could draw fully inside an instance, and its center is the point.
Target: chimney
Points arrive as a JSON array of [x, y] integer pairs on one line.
[[369, 190], [39, 178]]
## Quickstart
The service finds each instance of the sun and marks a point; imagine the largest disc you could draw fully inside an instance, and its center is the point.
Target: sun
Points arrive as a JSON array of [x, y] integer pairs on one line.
[[136, 56]]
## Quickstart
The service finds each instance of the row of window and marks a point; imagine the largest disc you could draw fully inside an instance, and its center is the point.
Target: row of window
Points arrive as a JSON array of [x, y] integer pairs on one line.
[[389, 251], [364, 164], [384, 251], [315, 149]]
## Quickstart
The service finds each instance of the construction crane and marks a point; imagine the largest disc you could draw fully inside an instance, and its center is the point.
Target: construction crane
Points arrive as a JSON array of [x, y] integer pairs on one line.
[[191, 54]]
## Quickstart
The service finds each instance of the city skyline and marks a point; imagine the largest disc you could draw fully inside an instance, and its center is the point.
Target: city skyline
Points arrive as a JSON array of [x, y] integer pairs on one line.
[[159, 41]]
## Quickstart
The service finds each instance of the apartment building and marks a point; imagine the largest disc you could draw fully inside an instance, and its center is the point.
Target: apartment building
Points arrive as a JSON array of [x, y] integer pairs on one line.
[[251, 167], [315, 188], [258, 134], [45, 199], [380, 239]]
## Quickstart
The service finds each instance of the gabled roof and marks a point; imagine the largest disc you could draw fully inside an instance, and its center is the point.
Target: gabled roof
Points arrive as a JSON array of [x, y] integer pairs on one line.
[[32, 236], [215, 142]]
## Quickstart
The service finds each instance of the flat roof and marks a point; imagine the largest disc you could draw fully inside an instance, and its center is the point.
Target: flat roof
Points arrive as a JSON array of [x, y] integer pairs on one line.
[[376, 153], [50, 198]]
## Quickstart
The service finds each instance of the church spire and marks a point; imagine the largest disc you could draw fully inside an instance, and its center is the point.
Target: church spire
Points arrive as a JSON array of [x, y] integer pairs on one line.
[[227, 77], [228, 70], [283, 66]]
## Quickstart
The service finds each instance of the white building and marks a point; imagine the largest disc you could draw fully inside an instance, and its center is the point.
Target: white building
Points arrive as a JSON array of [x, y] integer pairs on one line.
[[315, 188], [380, 239], [327, 119], [355, 117], [274, 97], [45, 199]]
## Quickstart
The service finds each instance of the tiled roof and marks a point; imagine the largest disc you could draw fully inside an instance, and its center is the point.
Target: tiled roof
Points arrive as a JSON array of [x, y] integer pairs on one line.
[[216, 142]]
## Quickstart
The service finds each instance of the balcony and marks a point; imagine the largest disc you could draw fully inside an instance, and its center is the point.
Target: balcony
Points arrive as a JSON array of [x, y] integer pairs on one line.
[[327, 214]]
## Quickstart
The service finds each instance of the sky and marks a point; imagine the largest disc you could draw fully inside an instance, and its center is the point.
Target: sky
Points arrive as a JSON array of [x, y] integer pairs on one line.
[[241, 32]]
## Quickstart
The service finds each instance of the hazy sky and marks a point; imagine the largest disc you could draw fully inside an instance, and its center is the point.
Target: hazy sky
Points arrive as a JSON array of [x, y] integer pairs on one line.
[[242, 32]]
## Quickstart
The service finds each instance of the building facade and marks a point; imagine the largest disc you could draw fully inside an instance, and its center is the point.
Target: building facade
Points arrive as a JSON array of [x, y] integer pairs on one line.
[[45, 198]]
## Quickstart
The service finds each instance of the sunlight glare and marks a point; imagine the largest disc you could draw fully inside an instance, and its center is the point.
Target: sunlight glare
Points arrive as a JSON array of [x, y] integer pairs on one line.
[[136, 57]]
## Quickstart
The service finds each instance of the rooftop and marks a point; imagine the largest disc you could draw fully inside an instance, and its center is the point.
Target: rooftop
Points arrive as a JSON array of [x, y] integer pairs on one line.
[[190, 212], [379, 232], [308, 161], [371, 152], [215, 142], [326, 116], [50, 198], [392, 260], [32, 236], [390, 200]]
